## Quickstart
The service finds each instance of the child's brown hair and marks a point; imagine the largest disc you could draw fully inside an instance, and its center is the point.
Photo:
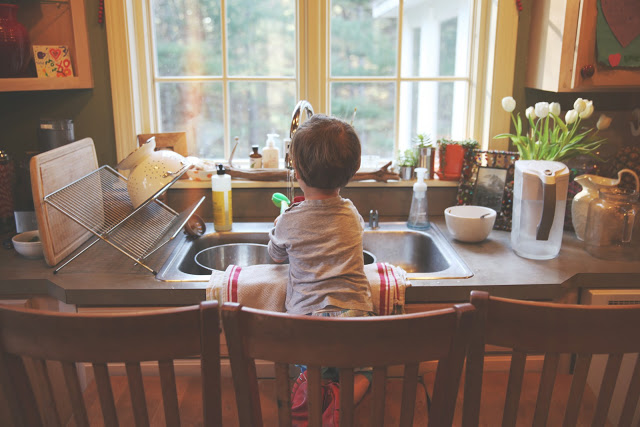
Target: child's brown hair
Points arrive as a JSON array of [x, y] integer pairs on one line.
[[325, 152]]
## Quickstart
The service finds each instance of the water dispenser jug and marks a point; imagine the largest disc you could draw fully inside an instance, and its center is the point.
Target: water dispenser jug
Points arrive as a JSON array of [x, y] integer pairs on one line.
[[539, 202]]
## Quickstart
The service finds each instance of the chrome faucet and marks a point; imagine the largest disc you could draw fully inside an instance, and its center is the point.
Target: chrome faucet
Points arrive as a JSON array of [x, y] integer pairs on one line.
[[373, 219], [302, 111]]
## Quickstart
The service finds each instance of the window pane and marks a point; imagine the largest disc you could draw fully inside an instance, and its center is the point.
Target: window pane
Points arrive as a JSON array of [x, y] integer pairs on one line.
[[438, 109], [195, 108], [261, 38], [374, 121], [363, 38], [435, 38], [259, 108], [187, 37]]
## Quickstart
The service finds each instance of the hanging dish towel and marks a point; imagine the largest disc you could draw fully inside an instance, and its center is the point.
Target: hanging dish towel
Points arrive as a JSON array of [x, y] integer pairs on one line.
[[265, 286]]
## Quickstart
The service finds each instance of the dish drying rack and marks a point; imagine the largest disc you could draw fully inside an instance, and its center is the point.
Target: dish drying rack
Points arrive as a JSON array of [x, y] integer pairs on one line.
[[100, 203]]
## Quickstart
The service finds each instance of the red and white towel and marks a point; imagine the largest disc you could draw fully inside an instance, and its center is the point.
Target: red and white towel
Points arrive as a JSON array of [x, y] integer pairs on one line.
[[265, 286]]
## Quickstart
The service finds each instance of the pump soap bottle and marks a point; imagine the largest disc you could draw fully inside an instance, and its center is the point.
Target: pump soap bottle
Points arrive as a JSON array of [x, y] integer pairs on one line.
[[270, 153], [221, 195], [418, 219]]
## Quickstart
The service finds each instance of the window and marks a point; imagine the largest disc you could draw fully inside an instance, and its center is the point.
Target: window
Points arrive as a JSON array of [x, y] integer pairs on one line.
[[220, 69]]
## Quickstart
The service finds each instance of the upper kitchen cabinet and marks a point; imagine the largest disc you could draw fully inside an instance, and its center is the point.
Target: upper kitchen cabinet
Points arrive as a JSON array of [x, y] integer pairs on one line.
[[55, 23], [562, 54]]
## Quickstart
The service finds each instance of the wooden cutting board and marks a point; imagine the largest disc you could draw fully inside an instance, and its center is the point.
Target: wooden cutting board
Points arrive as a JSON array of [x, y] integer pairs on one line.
[[51, 171]]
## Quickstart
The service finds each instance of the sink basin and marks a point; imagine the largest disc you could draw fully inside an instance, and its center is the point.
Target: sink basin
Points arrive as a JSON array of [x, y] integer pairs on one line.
[[424, 255]]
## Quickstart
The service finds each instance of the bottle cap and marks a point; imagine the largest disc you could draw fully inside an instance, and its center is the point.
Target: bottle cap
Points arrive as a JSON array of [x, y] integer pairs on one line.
[[221, 170]]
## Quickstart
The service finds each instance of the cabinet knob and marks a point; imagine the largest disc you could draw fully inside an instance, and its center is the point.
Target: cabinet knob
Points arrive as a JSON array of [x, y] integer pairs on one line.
[[587, 71]]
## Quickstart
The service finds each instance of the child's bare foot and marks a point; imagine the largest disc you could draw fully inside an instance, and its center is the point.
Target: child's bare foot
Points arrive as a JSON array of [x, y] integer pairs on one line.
[[360, 387]]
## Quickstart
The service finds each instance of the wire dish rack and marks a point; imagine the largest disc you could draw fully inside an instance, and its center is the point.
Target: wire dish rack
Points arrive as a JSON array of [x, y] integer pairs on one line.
[[100, 202]]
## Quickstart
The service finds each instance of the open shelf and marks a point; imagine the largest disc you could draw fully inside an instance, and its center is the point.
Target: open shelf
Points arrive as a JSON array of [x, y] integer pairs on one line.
[[55, 23]]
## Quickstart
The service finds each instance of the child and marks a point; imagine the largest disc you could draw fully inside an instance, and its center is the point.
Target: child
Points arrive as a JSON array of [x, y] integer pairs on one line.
[[322, 236]]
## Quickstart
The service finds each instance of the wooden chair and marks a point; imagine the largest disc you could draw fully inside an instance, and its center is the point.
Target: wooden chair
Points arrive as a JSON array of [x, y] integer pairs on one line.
[[68, 338], [553, 329], [346, 343]]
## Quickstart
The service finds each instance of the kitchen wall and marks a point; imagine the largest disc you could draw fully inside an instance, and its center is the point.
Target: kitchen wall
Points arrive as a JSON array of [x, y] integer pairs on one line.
[[90, 109]]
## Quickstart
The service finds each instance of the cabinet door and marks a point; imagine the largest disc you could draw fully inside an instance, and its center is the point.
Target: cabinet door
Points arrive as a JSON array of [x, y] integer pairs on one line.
[[604, 77], [562, 43]]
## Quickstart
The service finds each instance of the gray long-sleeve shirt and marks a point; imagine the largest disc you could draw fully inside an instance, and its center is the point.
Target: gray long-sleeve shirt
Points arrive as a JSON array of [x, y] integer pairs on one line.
[[323, 241]]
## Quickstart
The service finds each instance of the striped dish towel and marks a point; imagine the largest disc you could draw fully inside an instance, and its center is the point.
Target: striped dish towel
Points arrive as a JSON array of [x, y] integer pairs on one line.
[[265, 286]]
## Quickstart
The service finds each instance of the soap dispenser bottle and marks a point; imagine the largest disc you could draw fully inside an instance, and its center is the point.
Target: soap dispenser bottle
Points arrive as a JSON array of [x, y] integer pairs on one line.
[[270, 153], [221, 195], [418, 219]]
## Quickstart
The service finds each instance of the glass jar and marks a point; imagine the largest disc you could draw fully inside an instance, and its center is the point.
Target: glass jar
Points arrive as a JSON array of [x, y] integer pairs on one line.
[[613, 231]]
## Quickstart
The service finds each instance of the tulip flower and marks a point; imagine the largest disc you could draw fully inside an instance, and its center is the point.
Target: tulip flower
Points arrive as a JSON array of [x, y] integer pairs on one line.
[[571, 116], [557, 139], [603, 122], [588, 110], [542, 109], [530, 113], [508, 104]]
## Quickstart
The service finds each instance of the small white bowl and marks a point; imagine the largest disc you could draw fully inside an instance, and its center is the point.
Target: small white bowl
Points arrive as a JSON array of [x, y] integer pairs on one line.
[[469, 223], [26, 246]]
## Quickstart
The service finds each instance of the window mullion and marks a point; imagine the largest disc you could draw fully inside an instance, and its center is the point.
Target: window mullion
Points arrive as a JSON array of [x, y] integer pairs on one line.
[[396, 133], [226, 105]]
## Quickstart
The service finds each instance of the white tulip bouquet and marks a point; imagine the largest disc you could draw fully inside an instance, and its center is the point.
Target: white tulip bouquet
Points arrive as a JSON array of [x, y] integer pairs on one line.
[[551, 138]]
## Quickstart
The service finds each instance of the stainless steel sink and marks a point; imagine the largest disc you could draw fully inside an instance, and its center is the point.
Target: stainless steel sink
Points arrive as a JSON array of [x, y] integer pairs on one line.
[[425, 255]]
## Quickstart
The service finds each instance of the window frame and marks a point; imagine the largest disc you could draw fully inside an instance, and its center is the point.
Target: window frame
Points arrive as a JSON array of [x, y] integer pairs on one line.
[[492, 66]]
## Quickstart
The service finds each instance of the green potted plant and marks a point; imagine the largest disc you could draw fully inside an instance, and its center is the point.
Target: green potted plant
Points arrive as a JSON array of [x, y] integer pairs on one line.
[[407, 162], [451, 156], [424, 147]]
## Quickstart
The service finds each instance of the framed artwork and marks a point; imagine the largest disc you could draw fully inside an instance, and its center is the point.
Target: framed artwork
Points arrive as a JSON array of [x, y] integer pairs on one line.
[[487, 180]]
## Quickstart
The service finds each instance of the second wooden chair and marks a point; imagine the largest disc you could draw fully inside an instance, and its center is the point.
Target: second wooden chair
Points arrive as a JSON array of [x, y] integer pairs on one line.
[[537, 328], [346, 343], [35, 341]]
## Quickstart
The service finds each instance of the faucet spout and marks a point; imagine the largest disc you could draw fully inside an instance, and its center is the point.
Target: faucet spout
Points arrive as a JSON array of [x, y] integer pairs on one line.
[[302, 111]]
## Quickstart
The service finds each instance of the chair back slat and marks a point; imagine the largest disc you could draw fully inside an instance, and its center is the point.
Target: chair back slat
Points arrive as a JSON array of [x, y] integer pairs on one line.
[[545, 389], [514, 388], [105, 393], [169, 393], [347, 344], [346, 397], [578, 383], [18, 391], [314, 394], [75, 393], [606, 389], [283, 394], [136, 389], [409, 384], [633, 395], [378, 388], [50, 340], [45, 391], [555, 330]]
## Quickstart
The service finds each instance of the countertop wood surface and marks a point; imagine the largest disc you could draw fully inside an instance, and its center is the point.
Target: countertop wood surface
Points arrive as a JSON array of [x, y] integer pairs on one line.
[[103, 277]]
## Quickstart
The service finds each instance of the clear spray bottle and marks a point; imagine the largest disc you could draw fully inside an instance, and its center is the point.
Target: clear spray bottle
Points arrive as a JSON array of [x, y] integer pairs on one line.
[[418, 219]]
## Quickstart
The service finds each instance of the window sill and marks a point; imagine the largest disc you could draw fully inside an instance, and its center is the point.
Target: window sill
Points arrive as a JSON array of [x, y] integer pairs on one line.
[[188, 183]]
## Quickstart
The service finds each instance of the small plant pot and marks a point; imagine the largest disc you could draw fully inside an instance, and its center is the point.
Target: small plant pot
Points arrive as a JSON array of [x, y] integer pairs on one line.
[[406, 173], [450, 160]]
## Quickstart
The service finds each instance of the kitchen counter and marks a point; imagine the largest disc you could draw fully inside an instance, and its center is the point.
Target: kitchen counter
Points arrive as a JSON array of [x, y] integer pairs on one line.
[[103, 277]]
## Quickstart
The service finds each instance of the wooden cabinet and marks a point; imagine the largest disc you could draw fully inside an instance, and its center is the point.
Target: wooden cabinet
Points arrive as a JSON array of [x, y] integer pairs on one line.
[[55, 23], [562, 42]]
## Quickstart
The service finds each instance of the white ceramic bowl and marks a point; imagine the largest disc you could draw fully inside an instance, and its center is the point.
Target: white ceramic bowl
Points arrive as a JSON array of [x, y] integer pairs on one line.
[[27, 245], [469, 223]]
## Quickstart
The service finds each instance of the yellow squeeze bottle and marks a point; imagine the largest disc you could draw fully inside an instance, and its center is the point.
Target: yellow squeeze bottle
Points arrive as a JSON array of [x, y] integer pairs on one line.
[[221, 195]]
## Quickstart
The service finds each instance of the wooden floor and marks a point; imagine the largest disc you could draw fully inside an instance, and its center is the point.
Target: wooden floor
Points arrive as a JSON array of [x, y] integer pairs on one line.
[[494, 388]]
